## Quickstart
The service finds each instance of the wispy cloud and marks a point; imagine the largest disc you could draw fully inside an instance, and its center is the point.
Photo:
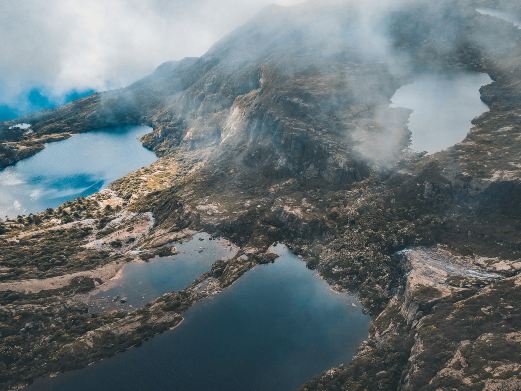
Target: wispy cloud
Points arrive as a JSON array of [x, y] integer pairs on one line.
[[60, 45]]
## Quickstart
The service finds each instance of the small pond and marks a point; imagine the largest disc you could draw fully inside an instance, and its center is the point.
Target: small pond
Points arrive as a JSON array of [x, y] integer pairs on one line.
[[140, 282], [443, 106]]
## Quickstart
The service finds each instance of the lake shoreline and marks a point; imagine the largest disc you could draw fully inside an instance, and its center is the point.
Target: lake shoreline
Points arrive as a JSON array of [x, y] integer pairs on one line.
[[434, 122], [65, 170], [14, 151], [276, 276], [17, 144]]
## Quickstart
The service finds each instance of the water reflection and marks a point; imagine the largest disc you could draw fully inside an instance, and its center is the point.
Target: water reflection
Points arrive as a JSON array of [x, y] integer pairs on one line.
[[443, 106], [140, 282], [275, 328], [76, 167]]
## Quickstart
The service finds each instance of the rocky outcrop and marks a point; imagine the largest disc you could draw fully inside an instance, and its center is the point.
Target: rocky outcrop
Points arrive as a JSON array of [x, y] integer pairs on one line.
[[450, 326]]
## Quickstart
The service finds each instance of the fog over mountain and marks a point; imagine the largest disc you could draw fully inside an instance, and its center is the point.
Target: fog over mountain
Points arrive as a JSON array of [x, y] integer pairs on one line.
[[62, 45]]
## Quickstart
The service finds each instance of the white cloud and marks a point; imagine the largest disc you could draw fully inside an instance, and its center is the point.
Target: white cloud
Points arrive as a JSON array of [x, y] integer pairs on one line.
[[75, 44]]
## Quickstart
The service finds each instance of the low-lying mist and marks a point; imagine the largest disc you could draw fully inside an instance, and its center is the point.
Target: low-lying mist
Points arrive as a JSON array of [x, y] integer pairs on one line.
[[323, 65]]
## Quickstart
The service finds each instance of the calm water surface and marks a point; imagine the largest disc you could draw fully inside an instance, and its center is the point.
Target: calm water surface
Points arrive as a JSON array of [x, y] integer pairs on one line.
[[443, 106], [76, 167], [140, 283], [275, 328]]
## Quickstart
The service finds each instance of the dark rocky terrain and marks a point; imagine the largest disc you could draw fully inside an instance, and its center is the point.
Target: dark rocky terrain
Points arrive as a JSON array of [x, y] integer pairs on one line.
[[276, 135]]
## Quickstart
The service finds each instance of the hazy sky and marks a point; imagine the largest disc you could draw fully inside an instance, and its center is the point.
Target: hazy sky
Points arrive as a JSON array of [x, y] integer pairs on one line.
[[76, 44]]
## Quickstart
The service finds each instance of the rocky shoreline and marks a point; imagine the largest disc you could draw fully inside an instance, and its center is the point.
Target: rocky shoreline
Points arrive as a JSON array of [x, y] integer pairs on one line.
[[430, 244]]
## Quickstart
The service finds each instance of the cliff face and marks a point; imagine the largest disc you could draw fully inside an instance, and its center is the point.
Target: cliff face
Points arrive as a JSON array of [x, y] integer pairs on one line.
[[452, 324], [283, 132]]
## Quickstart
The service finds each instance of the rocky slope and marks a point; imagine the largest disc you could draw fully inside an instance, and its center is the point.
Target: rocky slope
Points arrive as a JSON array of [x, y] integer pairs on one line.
[[283, 132]]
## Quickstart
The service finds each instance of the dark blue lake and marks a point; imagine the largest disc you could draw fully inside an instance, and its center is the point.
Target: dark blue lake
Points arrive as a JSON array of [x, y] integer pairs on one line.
[[76, 167], [275, 328]]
